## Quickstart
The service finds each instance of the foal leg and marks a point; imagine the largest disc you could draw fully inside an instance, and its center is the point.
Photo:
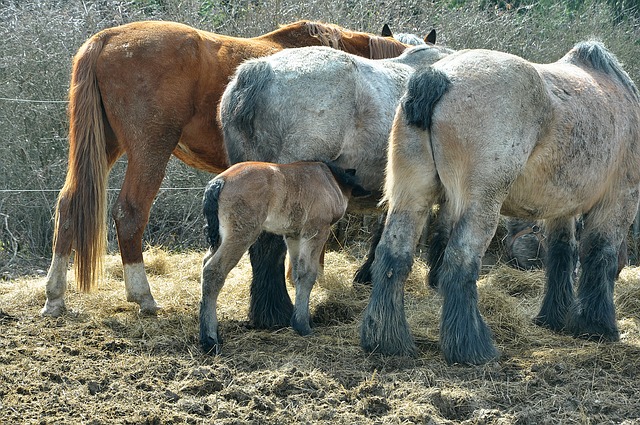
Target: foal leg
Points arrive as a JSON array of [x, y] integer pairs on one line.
[[216, 267], [562, 255], [305, 256], [270, 305]]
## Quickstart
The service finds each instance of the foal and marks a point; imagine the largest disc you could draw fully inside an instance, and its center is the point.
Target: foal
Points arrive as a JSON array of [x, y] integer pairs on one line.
[[299, 201]]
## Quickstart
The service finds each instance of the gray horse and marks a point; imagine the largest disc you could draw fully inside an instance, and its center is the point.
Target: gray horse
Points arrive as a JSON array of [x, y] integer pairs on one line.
[[485, 132], [312, 104]]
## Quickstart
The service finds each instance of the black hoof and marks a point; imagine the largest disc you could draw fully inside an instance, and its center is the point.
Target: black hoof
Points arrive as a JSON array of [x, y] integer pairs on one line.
[[211, 346], [363, 275]]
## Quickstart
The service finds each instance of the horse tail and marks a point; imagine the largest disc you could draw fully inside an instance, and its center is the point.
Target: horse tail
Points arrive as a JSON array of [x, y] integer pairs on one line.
[[424, 89], [84, 192], [210, 207], [595, 54], [240, 103]]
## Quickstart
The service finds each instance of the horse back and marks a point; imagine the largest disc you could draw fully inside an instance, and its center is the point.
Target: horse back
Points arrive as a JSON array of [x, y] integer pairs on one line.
[[283, 199]]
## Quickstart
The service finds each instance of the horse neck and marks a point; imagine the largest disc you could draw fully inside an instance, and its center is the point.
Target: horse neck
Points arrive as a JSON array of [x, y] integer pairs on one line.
[[293, 35], [306, 33]]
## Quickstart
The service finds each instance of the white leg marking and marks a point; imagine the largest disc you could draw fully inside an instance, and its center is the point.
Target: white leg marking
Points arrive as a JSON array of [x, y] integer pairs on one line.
[[137, 287], [56, 286]]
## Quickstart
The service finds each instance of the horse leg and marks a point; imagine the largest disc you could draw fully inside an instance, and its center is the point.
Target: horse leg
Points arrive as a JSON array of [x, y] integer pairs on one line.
[[384, 325], [305, 255], [562, 255], [438, 243], [464, 335], [56, 281], [216, 267], [592, 314], [145, 171], [270, 305], [363, 274]]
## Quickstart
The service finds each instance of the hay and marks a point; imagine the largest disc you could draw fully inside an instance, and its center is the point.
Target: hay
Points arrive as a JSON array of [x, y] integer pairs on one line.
[[103, 356]]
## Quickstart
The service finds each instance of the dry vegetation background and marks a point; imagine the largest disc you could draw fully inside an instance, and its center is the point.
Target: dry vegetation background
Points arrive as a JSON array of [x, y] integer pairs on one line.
[[101, 363]]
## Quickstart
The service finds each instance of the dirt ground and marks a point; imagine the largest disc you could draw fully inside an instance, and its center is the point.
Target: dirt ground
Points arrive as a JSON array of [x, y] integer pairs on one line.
[[102, 363]]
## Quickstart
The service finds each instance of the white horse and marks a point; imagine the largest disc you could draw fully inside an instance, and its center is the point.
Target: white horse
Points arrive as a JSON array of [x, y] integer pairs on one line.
[[484, 132], [313, 104]]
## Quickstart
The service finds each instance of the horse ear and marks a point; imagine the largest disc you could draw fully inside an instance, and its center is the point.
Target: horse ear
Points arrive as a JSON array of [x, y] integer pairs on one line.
[[431, 37], [386, 31]]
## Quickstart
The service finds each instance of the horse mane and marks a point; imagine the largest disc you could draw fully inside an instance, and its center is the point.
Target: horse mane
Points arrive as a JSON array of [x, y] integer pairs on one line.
[[332, 36], [328, 34], [381, 48], [596, 55]]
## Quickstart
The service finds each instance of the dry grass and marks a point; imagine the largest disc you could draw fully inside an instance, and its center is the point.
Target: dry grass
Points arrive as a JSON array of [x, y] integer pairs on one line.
[[103, 363]]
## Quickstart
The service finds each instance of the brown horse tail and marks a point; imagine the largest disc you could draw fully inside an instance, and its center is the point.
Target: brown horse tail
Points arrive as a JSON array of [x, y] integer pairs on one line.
[[424, 89], [210, 208], [84, 192]]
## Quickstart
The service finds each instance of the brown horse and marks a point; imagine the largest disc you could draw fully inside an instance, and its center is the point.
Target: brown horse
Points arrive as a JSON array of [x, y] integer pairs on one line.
[[150, 89], [299, 201]]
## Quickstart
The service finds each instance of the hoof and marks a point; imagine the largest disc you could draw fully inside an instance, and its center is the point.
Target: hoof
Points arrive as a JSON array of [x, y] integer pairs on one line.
[[555, 324], [303, 328], [467, 342], [592, 323], [211, 346], [53, 308], [378, 337], [363, 275], [470, 356], [149, 309], [592, 331]]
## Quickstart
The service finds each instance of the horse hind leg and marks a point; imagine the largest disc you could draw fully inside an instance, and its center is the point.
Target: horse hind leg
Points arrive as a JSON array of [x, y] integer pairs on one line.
[[464, 335], [216, 266], [56, 280], [562, 256], [438, 243], [145, 171], [384, 325], [592, 314]]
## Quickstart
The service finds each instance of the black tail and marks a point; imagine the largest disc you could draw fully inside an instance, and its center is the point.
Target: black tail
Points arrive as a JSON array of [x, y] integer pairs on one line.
[[240, 103], [424, 89], [347, 178], [210, 207]]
